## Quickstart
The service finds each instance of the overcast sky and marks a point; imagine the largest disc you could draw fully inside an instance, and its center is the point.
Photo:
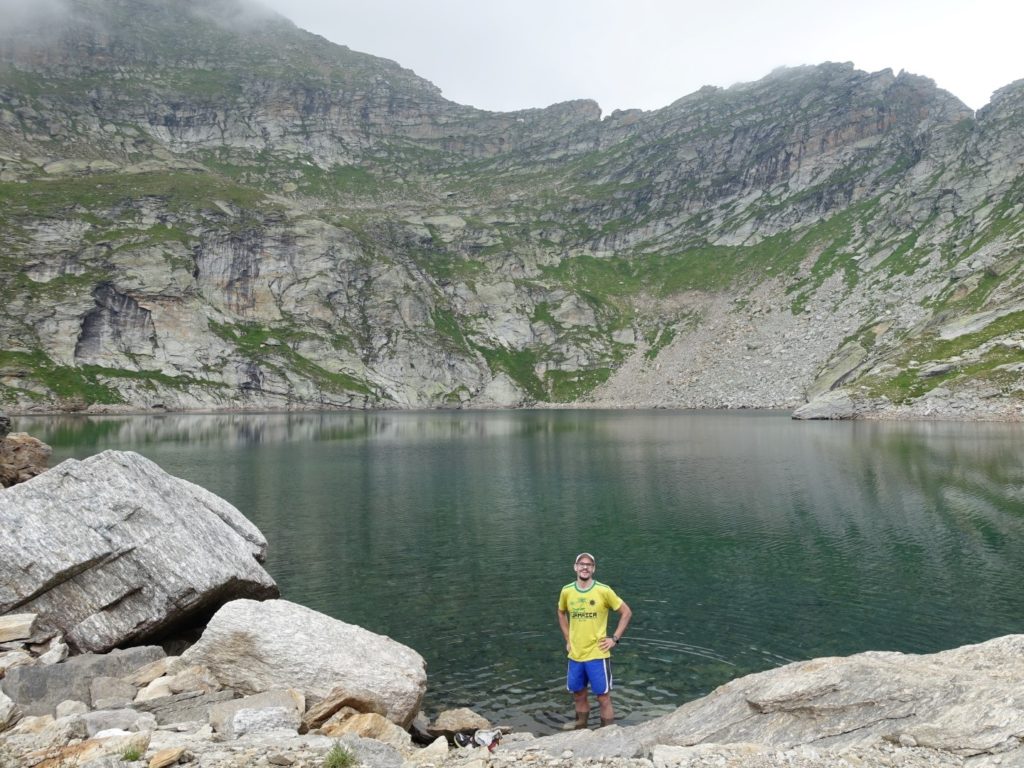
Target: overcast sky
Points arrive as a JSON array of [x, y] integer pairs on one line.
[[648, 53]]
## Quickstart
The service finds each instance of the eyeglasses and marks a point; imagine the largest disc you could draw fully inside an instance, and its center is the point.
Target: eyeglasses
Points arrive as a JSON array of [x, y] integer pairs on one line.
[[585, 565]]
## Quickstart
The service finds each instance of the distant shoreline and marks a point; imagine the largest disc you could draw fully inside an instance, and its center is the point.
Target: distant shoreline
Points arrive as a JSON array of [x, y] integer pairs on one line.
[[883, 416]]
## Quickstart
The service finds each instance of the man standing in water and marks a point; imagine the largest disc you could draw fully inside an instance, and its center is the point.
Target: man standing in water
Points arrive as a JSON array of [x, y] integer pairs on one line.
[[583, 607]]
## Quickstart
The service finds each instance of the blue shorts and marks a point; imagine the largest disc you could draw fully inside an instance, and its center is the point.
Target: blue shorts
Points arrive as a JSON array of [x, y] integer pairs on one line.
[[597, 673]]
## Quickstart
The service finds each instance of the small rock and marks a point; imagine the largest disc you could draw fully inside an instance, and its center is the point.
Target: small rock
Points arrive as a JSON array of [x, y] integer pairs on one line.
[[157, 689], [71, 707], [372, 726], [936, 369], [342, 698], [12, 659], [434, 753], [166, 757], [124, 720], [194, 678], [34, 724], [57, 653], [16, 626], [147, 674], [260, 713], [22, 457], [453, 721], [9, 712]]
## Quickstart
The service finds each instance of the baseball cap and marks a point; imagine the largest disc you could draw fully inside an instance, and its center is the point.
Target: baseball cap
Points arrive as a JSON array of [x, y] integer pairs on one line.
[[585, 554]]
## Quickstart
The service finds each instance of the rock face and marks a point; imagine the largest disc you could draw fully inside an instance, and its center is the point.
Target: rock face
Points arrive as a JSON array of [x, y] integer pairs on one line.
[[112, 550], [265, 219], [254, 647], [963, 702]]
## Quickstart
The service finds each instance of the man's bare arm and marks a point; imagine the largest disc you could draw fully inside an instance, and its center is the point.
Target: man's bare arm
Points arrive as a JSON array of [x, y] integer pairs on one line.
[[625, 615], [563, 622]]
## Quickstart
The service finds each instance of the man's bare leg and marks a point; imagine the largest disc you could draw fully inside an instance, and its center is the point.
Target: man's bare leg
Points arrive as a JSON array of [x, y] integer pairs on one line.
[[582, 705], [607, 711]]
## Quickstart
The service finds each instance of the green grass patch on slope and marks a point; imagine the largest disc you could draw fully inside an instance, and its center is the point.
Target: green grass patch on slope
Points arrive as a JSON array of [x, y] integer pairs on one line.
[[697, 268], [446, 265], [84, 384], [272, 346], [908, 384], [269, 170], [833, 240], [16, 285], [447, 325], [65, 382], [182, 191], [518, 365], [570, 386], [660, 339]]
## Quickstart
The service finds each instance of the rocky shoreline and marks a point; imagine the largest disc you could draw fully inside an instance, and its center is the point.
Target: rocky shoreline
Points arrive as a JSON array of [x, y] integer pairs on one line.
[[837, 405], [137, 627]]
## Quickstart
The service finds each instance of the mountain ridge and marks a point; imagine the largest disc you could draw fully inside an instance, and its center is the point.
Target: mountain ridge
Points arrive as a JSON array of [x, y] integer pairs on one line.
[[324, 229]]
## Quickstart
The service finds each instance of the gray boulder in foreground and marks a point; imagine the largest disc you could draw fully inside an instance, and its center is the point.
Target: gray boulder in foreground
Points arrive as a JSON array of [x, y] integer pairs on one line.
[[965, 702], [254, 647], [112, 550]]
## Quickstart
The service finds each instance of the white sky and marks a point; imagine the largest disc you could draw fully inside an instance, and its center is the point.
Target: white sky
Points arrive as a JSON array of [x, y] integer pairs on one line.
[[648, 53]]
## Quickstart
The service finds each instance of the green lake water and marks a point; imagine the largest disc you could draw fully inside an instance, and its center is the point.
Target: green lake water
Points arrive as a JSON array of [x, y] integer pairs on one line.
[[741, 540]]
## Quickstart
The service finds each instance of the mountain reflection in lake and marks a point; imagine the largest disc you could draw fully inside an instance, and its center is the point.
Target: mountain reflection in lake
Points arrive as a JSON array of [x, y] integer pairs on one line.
[[741, 540]]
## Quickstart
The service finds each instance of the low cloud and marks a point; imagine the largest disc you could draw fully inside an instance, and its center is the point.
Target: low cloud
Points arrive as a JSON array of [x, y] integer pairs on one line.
[[18, 14], [236, 14]]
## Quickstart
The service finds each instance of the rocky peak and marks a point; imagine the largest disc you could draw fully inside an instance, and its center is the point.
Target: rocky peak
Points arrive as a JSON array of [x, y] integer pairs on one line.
[[1006, 102]]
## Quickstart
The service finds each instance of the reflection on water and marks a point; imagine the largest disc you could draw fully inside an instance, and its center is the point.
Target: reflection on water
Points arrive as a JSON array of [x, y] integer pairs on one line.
[[741, 540]]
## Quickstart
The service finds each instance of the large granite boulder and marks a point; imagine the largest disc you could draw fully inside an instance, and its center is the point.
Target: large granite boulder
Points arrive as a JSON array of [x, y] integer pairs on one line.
[[112, 551], [964, 702], [253, 647], [22, 457], [836, 405]]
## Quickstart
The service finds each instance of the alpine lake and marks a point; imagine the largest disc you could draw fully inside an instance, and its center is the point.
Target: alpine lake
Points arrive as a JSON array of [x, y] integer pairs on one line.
[[741, 540]]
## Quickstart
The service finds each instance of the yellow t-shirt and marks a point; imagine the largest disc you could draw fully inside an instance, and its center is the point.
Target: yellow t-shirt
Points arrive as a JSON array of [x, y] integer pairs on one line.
[[587, 611]]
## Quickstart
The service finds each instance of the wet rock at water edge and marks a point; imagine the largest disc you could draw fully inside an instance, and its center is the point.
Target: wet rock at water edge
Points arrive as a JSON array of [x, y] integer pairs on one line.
[[22, 457]]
